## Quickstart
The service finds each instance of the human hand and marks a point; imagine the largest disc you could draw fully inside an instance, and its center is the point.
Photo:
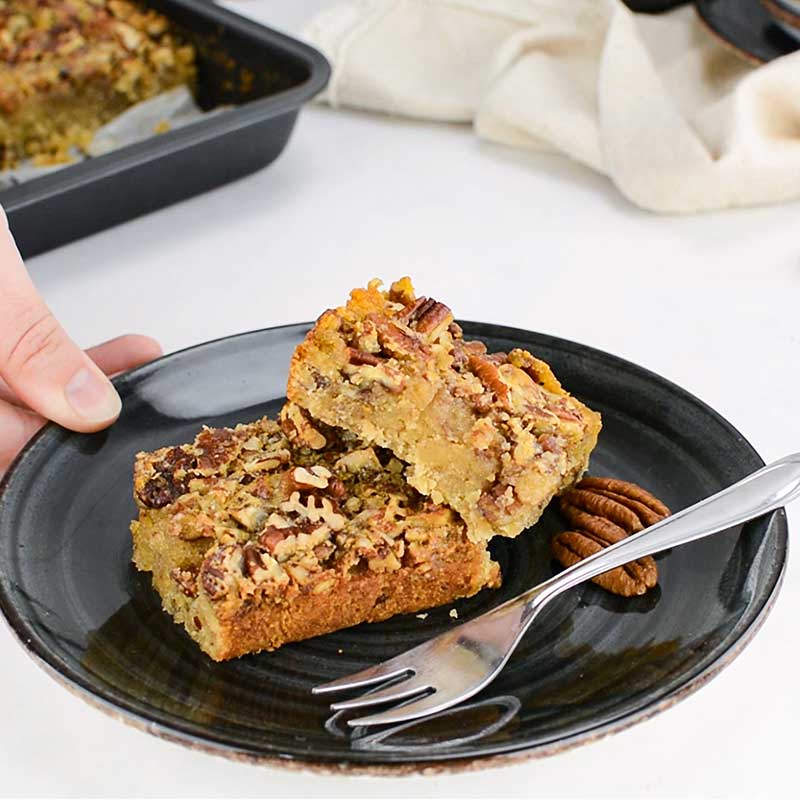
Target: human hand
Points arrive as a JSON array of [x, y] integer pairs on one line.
[[44, 375]]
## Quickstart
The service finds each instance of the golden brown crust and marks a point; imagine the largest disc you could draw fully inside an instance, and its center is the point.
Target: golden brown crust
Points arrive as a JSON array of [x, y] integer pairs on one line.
[[495, 436], [255, 539], [69, 66], [364, 597]]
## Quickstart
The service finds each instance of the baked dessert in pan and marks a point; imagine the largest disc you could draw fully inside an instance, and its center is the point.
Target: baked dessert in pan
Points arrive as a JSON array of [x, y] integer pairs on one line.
[[67, 67]]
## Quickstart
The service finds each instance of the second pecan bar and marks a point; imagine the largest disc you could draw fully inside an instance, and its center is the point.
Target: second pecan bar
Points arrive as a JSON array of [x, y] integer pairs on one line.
[[494, 436]]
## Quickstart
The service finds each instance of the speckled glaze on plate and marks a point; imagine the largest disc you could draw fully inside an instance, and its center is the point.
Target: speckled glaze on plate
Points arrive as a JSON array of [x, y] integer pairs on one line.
[[745, 27], [595, 664]]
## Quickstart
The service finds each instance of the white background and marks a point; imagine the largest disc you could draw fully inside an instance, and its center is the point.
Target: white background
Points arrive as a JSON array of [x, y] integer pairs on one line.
[[709, 301]]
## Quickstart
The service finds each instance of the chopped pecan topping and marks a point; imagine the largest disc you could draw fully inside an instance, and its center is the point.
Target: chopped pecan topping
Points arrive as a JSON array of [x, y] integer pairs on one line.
[[251, 560], [171, 479], [321, 381], [412, 311], [486, 371], [272, 537], [361, 357], [384, 374], [324, 551], [562, 412], [434, 320], [217, 566], [251, 518], [538, 370], [296, 425], [604, 511], [550, 443], [162, 490], [395, 341], [497, 500], [358, 460], [317, 477], [427, 316], [218, 446], [186, 580], [336, 489]]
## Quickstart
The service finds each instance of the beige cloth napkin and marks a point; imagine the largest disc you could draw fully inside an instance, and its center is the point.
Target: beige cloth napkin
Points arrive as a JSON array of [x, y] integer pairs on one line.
[[655, 102]]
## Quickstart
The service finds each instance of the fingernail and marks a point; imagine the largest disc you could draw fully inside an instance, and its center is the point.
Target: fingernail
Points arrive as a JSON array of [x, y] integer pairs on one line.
[[92, 396]]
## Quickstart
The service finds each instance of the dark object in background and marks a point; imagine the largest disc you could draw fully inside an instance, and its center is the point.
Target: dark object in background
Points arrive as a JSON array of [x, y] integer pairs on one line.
[[746, 27], [265, 74], [653, 6]]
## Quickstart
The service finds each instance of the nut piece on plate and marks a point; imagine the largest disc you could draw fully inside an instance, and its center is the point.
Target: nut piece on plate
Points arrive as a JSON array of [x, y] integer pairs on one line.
[[603, 511], [272, 532], [492, 435]]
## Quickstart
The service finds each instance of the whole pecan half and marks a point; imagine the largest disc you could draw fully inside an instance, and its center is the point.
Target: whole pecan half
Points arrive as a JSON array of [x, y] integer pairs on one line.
[[630, 580], [604, 511], [427, 316]]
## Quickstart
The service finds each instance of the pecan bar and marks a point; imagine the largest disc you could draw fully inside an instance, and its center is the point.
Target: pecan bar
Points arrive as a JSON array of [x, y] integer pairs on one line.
[[69, 66], [494, 436], [273, 532]]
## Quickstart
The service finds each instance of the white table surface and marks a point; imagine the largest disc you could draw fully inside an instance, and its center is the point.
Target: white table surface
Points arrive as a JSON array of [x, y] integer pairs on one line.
[[708, 301]]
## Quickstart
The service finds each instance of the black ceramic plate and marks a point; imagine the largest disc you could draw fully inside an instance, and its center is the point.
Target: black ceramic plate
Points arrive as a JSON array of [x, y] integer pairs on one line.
[[745, 27], [595, 664]]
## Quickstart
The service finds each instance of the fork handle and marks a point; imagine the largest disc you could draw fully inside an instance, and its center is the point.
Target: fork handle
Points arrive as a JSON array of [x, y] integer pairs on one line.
[[769, 488]]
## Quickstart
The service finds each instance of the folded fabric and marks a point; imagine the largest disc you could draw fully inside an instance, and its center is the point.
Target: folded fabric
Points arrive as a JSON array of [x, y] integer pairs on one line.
[[677, 122]]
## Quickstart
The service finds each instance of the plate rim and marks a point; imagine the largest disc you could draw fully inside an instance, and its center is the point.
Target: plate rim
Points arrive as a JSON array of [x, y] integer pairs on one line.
[[734, 45], [378, 763]]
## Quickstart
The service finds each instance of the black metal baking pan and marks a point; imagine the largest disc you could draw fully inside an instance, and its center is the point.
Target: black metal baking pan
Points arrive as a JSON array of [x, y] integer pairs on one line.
[[266, 75]]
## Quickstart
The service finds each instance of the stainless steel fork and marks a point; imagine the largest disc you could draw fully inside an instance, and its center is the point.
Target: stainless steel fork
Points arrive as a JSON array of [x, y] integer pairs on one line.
[[457, 664]]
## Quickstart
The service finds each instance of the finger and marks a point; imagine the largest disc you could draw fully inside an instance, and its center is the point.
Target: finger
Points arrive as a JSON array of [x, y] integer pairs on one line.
[[16, 426], [39, 362], [7, 395], [124, 353], [114, 356]]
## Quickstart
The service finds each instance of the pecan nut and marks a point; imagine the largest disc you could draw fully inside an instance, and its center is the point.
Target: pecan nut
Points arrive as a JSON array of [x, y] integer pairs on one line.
[[487, 373], [296, 425], [577, 504], [395, 341], [630, 580], [186, 580], [604, 511], [170, 479], [219, 569], [648, 508], [362, 357], [427, 316]]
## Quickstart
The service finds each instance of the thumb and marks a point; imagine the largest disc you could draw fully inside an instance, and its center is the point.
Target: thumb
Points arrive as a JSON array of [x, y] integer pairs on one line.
[[39, 362]]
